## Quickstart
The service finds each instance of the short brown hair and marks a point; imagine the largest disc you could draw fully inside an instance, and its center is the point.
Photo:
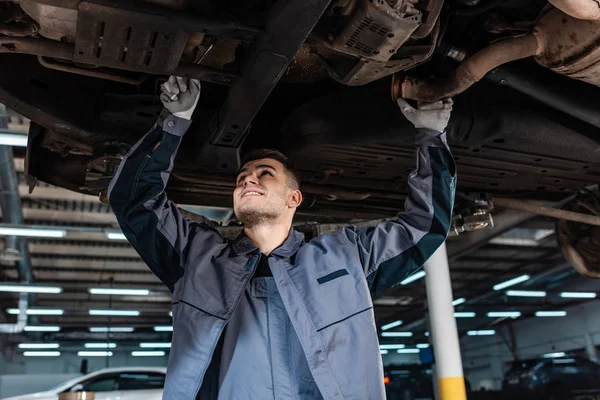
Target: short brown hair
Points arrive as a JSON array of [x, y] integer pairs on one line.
[[290, 169]]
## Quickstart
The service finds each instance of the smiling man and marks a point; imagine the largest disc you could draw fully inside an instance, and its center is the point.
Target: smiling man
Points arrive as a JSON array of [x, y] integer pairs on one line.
[[268, 315]]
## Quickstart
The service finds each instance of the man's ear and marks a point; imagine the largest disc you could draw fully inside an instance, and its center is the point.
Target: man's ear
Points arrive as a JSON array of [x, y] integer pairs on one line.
[[295, 199]]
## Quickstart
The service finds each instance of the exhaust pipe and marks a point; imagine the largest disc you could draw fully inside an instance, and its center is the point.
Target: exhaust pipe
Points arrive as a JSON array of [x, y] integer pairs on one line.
[[580, 9], [561, 43]]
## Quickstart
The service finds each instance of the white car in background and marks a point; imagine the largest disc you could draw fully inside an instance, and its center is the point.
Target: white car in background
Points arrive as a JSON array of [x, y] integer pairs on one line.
[[110, 384]]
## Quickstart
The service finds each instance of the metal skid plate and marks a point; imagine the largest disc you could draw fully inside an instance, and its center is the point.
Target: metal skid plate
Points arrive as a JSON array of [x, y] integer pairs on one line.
[[375, 31], [127, 39]]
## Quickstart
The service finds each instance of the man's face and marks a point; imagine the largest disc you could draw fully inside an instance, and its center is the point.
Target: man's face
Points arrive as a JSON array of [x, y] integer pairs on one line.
[[262, 192]]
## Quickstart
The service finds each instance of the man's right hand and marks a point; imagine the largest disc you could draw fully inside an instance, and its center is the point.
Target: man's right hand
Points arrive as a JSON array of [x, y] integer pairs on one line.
[[180, 96]]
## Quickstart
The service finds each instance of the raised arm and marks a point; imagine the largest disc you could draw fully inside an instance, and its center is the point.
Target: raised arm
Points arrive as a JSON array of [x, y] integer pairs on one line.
[[152, 223], [393, 250]]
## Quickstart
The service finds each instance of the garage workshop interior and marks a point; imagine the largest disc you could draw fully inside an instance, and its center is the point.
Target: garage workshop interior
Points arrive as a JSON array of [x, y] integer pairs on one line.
[[507, 306]]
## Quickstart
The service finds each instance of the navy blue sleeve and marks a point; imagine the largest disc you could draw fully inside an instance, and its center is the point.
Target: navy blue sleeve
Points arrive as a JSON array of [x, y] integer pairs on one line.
[[393, 250], [152, 223]]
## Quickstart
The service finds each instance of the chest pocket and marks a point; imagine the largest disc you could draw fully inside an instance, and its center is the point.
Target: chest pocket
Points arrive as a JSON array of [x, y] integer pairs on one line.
[[331, 281]]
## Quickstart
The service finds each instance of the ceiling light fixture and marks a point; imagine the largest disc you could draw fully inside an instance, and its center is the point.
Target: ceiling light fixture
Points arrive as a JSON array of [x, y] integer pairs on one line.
[[112, 329], [459, 301], [29, 289], [554, 355], [407, 351], [383, 351], [422, 345], [504, 314], [484, 332], [41, 353], [464, 314], [165, 328], [95, 353], [116, 313], [578, 295], [32, 232], [160, 345], [147, 353], [551, 314], [396, 334], [119, 292], [391, 325], [42, 328], [414, 277], [526, 293], [39, 345], [391, 346], [13, 139], [115, 236], [36, 311], [512, 282], [100, 345]]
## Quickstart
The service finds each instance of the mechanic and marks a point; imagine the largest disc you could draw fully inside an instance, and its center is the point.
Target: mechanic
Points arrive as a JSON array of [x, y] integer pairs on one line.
[[267, 315]]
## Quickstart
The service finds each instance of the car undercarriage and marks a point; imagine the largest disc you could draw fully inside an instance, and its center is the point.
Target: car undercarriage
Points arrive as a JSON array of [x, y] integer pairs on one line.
[[314, 79]]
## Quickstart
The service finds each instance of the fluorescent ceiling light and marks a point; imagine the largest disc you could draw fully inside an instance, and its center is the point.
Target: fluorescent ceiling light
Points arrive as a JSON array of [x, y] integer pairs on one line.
[[161, 345], [116, 313], [391, 346], [526, 293], [553, 355], [396, 334], [115, 236], [100, 345], [459, 301], [147, 353], [29, 289], [383, 351], [464, 315], [165, 328], [123, 292], [391, 325], [42, 328], [551, 314], [33, 232], [38, 345], [41, 353], [170, 313], [95, 353], [414, 277], [13, 139], [427, 334], [115, 329], [484, 332], [407, 351], [422, 345], [578, 295], [37, 311], [512, 282], [504, 314]]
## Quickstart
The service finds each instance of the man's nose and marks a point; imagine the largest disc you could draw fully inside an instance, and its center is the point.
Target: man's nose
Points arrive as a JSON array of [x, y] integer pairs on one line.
[[251, 179]]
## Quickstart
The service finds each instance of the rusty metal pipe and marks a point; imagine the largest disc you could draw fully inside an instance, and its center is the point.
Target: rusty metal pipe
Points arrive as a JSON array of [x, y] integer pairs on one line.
[[469, 72], [580, 9], [541, 209], [100, 74]]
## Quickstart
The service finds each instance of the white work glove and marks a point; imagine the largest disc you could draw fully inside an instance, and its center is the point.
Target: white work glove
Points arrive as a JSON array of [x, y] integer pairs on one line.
[[428, 115], [180, 96]]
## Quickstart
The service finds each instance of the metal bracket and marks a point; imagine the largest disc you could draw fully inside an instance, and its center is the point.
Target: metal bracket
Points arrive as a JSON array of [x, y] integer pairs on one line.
[[290, 24]]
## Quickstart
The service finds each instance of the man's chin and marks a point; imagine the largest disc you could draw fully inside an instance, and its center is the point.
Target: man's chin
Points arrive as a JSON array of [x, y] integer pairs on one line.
[[252, 216]]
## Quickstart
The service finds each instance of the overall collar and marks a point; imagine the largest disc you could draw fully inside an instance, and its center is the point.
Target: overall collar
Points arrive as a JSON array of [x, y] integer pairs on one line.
[[243, 245]]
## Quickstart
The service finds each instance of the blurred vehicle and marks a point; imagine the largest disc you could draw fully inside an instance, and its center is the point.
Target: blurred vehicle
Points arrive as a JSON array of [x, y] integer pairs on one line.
[[552, 379], [131, 383], [408, 382]]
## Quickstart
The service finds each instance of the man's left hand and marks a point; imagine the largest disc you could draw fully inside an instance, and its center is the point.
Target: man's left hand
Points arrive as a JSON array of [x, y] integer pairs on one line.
[[428, 115]]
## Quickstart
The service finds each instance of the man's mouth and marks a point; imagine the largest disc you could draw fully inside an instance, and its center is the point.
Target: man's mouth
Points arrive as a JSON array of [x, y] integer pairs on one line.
[[251, 193]]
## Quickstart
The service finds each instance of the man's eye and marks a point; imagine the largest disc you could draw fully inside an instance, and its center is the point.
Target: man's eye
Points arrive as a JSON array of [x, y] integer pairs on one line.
[[267, 173]]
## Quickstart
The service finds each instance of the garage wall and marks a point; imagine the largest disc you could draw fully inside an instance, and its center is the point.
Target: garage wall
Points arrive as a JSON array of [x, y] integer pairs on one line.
[[486, 358]]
